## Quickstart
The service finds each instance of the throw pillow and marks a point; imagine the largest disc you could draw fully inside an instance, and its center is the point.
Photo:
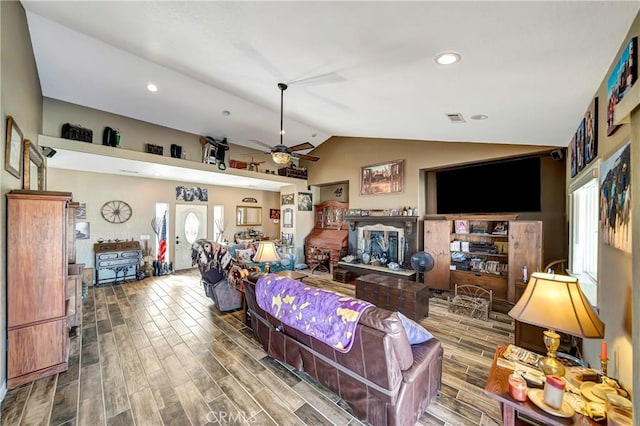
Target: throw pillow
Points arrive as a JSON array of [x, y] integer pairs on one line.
[[212, 276], [244, 255], [415, 332]]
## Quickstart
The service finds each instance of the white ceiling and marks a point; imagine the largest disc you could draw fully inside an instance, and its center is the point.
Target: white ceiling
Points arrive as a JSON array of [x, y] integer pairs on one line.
[[361, 69]]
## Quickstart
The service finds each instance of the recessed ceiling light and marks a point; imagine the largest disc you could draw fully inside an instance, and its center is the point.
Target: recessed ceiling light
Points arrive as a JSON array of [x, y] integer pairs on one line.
[[152, 87], [226, 113], [447, 58], [479, 117]]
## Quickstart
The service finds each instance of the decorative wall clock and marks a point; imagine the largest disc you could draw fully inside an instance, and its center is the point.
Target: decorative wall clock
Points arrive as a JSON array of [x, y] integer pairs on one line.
[[116, 211]]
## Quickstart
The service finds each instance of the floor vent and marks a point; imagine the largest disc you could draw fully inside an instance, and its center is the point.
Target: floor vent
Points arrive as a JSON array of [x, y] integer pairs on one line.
[[456, 118]]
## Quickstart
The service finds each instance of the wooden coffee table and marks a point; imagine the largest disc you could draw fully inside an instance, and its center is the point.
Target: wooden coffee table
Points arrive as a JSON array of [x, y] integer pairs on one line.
[[294, 275], [395, 294], [497, 387]]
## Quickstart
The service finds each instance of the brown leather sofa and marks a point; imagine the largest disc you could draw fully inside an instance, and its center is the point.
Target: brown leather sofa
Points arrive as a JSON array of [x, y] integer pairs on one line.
[[384, 379]]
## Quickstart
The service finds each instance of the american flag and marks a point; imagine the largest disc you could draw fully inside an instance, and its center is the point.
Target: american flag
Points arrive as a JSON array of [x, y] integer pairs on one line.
[[162, 246]]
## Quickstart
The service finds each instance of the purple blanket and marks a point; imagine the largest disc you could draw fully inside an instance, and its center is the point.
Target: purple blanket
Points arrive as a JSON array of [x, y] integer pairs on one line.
[[329, 317]]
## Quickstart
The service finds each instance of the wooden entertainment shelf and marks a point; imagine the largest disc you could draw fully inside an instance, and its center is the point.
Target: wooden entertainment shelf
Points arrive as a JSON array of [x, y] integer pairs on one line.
[[489, 251]]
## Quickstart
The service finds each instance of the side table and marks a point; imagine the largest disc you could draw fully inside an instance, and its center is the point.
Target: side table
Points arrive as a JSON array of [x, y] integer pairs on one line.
[[497, 387]]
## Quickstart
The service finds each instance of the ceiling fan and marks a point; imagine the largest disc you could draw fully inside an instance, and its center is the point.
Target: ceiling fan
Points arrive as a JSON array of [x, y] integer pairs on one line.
[[282, 154]]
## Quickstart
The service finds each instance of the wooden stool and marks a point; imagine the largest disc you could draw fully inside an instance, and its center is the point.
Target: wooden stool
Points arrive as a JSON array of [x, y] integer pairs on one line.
[[342, 275]]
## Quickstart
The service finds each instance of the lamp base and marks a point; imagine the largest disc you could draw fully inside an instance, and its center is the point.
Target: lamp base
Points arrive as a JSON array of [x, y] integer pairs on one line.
[[551, 367]]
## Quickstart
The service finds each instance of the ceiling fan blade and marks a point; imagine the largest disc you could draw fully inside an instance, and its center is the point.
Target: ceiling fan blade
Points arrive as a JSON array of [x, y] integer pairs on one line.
[[261, 143], [301, 147], [259, 59], [326, 78], [306, 157]]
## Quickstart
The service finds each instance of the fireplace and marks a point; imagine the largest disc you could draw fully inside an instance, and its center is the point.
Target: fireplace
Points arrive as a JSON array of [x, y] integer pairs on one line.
[[379, 240]]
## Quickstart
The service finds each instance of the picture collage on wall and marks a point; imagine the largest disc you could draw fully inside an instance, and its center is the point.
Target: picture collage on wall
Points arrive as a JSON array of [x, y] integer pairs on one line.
[[584, 144]]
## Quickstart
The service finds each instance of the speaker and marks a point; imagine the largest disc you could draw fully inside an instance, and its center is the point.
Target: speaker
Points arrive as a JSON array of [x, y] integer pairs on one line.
[[48, 151], [557, 154]]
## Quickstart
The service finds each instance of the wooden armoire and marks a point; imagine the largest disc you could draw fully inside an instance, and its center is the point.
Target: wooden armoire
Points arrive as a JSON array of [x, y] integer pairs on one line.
[[37, 301]]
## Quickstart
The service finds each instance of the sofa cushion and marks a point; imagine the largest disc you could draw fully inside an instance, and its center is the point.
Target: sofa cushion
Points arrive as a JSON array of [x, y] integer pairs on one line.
[[415, 332], [244, 255], [388, 323]]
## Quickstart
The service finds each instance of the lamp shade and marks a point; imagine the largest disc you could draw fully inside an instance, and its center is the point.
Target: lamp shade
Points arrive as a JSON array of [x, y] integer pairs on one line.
[[266, 252], [557, 302]]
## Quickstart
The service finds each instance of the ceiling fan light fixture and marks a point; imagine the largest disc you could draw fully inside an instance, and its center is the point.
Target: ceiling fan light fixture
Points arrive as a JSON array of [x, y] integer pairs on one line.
[[447, 58], [281, 157]]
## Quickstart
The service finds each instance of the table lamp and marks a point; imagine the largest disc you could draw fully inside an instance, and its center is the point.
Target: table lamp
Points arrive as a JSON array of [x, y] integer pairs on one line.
[[557, 303], [266, 253]]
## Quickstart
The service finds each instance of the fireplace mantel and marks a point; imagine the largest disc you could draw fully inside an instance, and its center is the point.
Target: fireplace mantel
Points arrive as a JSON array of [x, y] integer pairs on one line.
[[410, 225]]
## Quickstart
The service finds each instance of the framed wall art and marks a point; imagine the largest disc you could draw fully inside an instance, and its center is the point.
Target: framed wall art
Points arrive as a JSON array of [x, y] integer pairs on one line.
[[288, 199], [305, 201], [622, 77], [383, 178], [274, 213], [591, 132], [287, 218], [580, 147], [82, 230], [13, 149], [32, 155], [572, 156], [615, 199]]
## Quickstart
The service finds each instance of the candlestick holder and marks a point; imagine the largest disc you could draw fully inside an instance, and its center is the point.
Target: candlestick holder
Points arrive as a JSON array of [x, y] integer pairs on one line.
[[603, 367]]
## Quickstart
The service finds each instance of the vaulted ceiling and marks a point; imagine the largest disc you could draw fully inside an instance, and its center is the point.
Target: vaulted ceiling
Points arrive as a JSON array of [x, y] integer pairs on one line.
[[363, 69]]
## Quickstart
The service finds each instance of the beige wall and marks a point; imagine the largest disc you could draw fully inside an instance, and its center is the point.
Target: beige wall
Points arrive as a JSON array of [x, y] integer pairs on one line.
[[615, 267], [22, 99], [334, 192], [135, 134], [142, 194], [341, 159]]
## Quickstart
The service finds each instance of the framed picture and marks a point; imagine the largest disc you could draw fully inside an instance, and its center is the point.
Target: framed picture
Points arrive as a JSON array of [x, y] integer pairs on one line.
[[287, 199], [572, 155], [615, 202], [591, 132], [622, 77], [580, 147], [81, 211], [461, 226], [32, 156], [82, 230], [305, 202], [287, 218], [274, 213], [383, 178], [13, 149]]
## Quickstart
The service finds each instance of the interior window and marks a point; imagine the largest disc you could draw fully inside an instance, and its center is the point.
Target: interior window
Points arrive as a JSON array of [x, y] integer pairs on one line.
[[584, 202]]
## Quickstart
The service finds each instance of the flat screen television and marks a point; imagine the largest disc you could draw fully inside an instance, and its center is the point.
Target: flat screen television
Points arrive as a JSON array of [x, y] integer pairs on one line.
[[507, 186]]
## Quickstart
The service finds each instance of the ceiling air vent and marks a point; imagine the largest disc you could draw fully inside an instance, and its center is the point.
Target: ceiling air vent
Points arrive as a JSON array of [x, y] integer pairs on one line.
[[455, 117]]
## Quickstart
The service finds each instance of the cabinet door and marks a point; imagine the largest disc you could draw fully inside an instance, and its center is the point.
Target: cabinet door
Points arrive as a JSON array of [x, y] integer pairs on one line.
[[525, 248], [36, 347], [36, 261], [436, 243]]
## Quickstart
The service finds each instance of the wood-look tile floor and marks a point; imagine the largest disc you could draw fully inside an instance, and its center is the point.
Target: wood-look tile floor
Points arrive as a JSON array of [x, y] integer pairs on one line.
[[156, 352]]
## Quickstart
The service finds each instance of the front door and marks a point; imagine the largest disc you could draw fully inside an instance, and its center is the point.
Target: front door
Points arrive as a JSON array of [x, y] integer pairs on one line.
[[191, 224]]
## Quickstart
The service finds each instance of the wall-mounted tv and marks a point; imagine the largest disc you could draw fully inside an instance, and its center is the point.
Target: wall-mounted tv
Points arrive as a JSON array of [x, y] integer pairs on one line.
[[507, 186]]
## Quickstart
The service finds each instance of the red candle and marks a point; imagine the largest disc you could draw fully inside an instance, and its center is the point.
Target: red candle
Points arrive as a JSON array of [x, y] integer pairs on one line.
[[517, 387], [603, 351]]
